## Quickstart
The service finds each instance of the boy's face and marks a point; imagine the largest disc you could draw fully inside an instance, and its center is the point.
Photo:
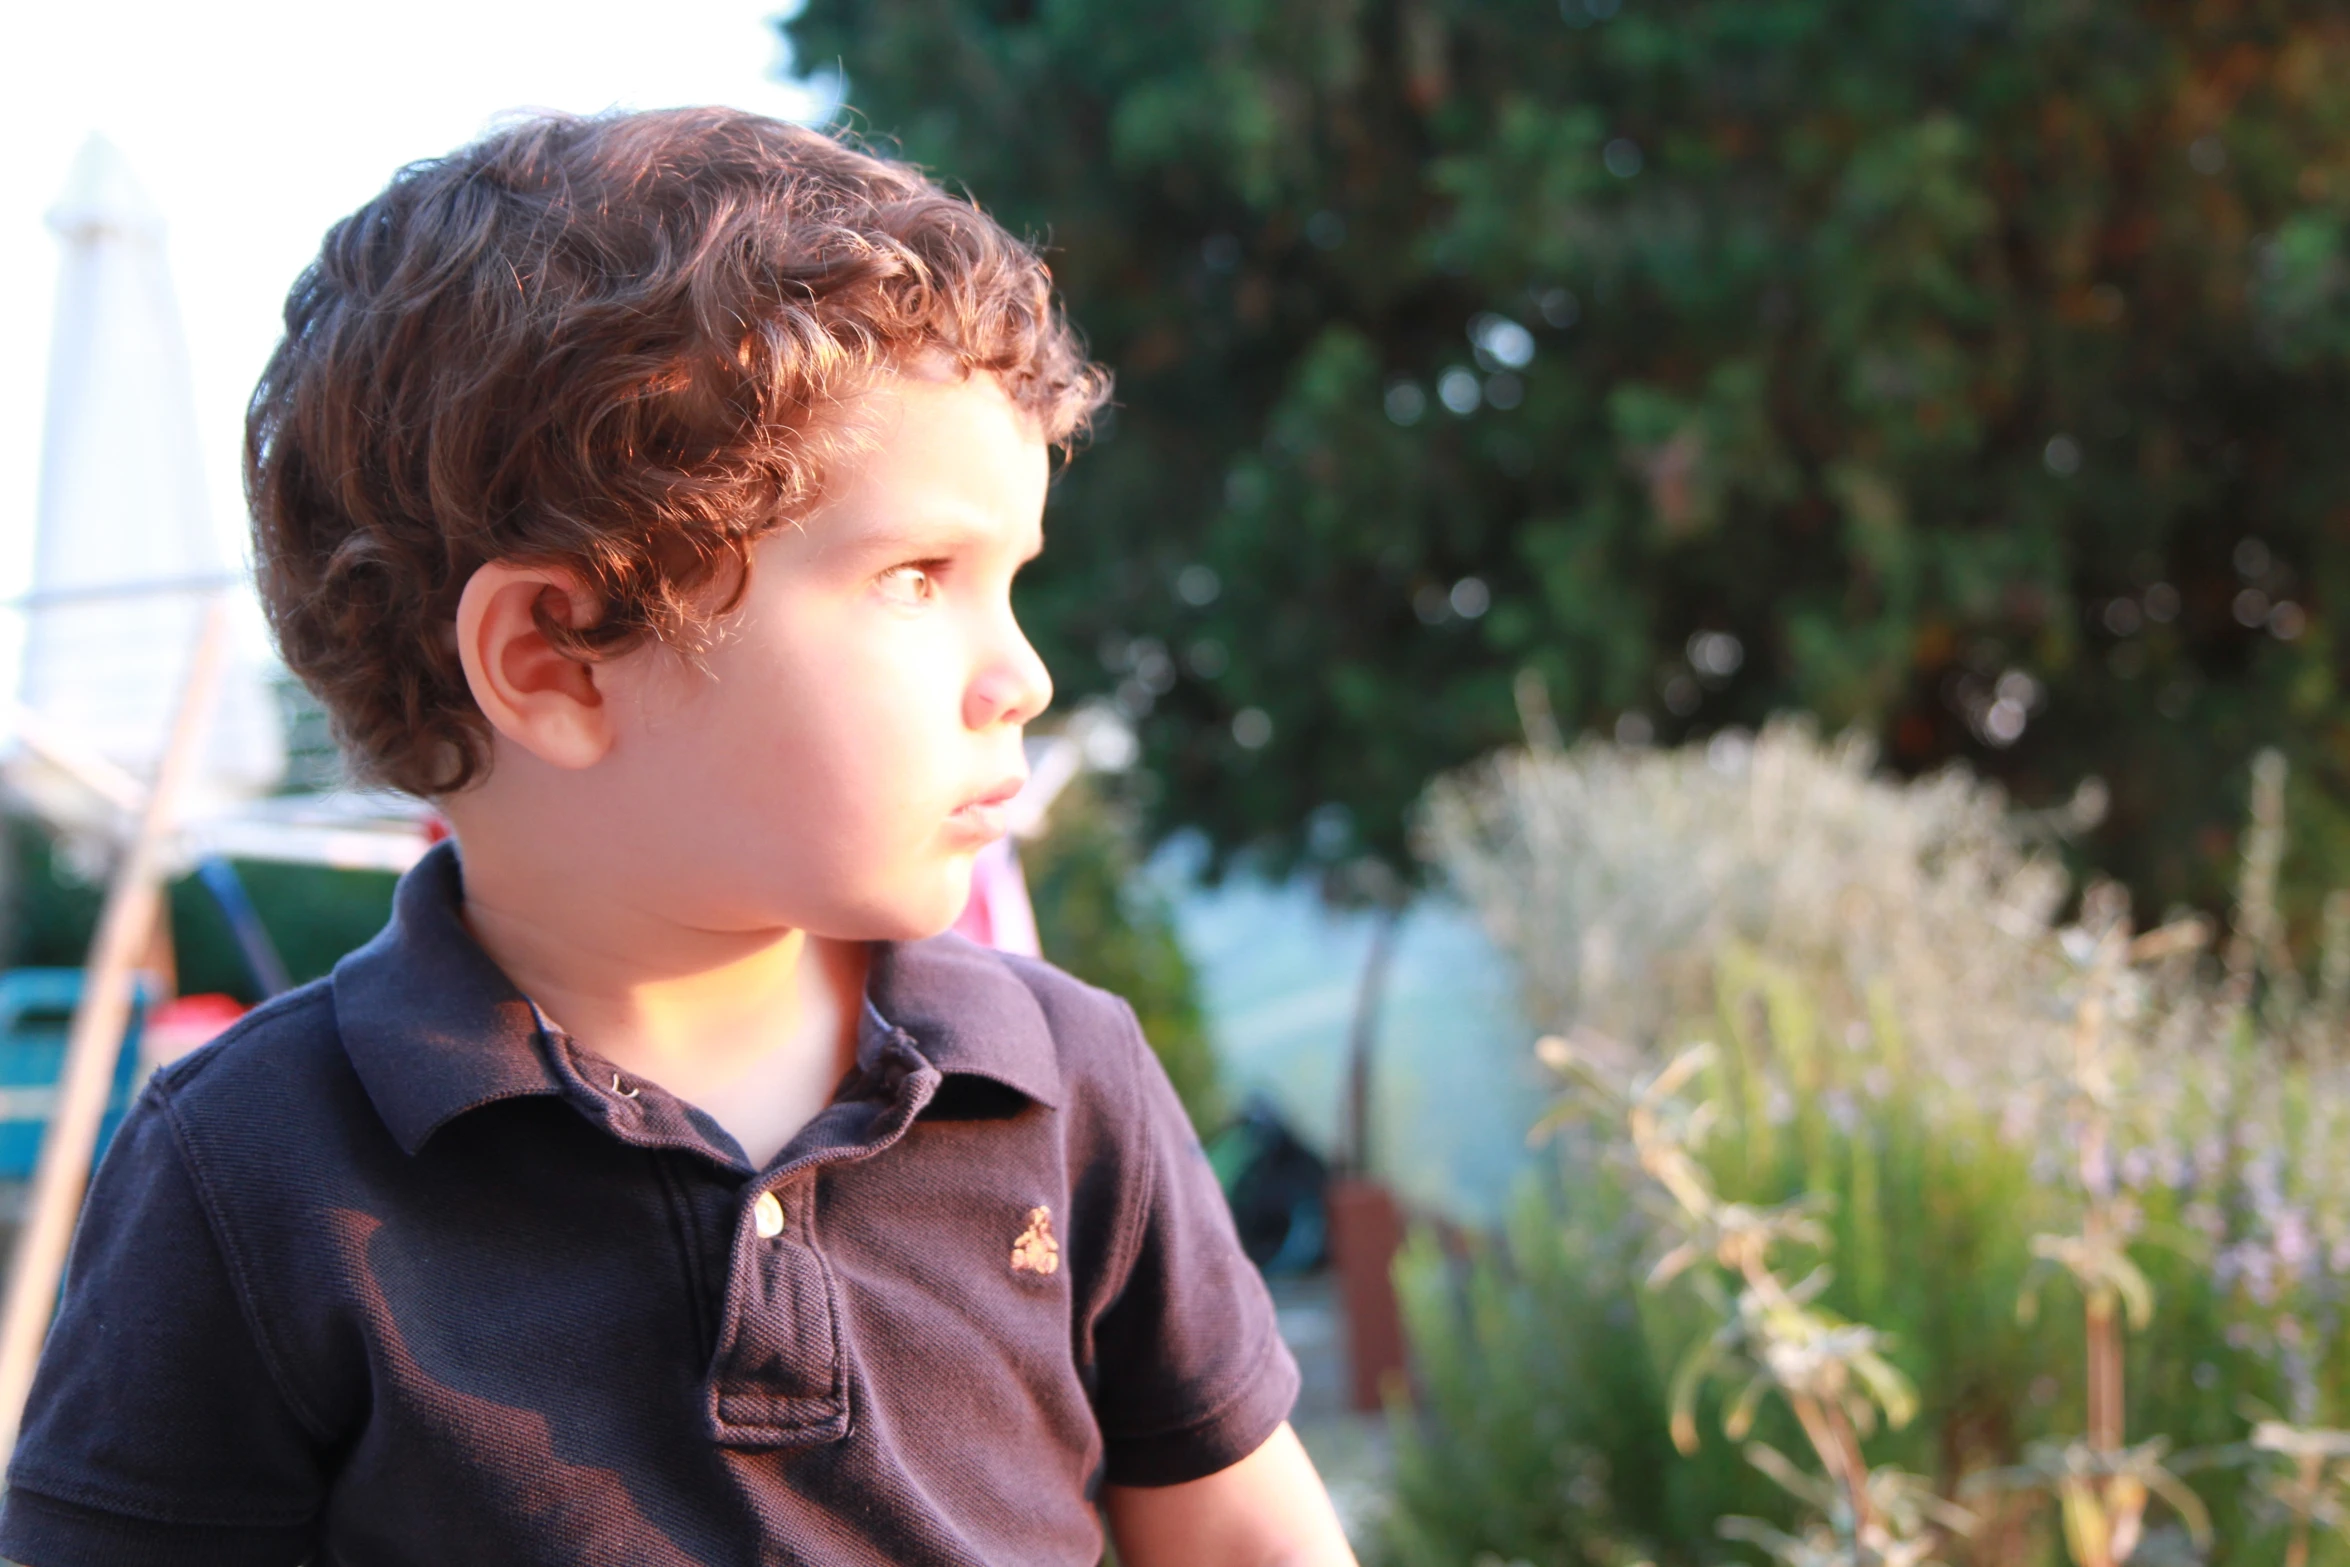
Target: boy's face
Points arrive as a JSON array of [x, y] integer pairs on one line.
[[846, 746]]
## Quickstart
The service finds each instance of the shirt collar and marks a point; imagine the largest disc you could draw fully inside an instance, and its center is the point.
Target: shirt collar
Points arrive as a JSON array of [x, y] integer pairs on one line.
[[434, 1028], [968, 1011]]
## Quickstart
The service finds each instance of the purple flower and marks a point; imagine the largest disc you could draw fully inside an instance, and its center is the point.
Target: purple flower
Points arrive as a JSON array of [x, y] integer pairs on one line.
[[2295, 1248]]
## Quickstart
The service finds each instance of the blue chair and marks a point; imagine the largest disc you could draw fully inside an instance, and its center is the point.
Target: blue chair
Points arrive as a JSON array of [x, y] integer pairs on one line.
[[36, 1009]]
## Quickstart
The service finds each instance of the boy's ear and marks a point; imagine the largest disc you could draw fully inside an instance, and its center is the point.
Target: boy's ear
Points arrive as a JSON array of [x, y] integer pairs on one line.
[[542, 699]]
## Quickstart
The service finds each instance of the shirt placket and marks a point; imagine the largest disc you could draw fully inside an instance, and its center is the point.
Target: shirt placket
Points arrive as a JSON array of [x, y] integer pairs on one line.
[[779, 1375]]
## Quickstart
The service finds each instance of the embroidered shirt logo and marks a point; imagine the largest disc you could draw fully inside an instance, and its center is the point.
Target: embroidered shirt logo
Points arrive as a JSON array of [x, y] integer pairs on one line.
[[1036, 1251]]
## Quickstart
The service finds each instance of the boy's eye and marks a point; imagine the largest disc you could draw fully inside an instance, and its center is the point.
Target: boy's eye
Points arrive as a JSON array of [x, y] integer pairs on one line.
[[909, 584]]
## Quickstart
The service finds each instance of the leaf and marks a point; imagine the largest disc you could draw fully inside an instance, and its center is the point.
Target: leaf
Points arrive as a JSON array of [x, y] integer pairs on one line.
[[1678, 1071], [2182, 1500], [1688, 1381], [1673, 1264], [1809, 1489], [1562, 1114], [2136, 1293], [1892, 1390], [1740, 1418], [2088, 1533], [2276, 1436]]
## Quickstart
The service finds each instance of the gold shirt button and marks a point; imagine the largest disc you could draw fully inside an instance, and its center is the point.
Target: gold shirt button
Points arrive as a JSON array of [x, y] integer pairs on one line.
[[767, 1216]]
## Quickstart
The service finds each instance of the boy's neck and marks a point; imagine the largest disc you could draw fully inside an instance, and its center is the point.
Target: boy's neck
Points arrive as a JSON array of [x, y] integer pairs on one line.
[[756, 1028]]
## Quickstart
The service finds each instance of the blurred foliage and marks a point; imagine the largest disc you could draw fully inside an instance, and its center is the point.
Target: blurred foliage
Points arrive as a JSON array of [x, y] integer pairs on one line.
[[1895, 1007], [314, 763], [1100, 918], [1537, 1428], [1965, 370], [1543, 1364], [312, 913]]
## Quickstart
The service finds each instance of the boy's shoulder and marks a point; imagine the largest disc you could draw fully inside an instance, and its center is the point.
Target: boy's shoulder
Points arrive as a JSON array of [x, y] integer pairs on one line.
[[273, 1103], [279, 1050]]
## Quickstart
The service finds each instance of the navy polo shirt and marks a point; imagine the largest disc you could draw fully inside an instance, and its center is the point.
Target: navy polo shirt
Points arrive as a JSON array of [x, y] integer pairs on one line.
[[396, 1272]]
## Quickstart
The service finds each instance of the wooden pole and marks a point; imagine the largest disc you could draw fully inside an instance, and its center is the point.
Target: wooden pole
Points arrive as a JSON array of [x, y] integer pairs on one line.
[[94, 1044], [1366, 1226], [1362, 1037]]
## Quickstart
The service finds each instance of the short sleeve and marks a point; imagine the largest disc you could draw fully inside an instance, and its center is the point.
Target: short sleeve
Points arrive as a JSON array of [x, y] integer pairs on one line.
[[1193, 1375], [156, 1431]]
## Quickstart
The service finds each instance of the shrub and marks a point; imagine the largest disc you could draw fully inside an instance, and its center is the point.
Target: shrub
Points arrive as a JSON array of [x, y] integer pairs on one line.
[[1895, 1014]]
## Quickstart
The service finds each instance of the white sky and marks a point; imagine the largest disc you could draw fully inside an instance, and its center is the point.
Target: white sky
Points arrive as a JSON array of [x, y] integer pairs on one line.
[[254, 124]]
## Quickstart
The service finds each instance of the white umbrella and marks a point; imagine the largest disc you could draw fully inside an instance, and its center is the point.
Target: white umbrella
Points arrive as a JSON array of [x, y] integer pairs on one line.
[[126, 552]]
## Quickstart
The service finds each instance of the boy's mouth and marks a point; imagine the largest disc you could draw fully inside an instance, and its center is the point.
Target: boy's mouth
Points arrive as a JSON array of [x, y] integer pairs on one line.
[[988, 815]]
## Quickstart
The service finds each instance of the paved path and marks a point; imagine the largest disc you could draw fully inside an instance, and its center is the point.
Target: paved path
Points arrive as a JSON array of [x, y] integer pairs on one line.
[[1350, 1449]]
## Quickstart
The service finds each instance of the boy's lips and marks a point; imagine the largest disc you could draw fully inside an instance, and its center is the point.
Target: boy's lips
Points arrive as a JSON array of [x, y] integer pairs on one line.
[[988, 815]]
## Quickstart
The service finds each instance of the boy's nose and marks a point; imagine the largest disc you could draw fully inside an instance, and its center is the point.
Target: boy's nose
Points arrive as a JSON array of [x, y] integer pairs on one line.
[[1013, 688]]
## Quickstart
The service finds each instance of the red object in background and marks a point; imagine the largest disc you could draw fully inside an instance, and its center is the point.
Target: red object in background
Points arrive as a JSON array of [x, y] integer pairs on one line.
[[179, 1026], [999, 914], [1366, 1231]]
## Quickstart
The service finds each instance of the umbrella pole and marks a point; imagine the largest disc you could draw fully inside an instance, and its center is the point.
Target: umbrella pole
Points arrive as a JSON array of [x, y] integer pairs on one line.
[[94, 1044]]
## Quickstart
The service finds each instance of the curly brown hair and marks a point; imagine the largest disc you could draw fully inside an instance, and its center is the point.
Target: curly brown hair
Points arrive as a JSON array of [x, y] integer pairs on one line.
[[619, 345]]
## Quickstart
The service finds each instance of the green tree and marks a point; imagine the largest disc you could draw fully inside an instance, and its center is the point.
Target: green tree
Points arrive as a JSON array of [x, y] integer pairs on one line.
[[1966, 370]]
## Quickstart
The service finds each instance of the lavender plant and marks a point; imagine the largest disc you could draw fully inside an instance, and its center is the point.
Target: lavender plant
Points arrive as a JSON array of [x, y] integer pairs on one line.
[[1772, 1336], [2102, 1484], [1913, 1057], [2310, 1488]]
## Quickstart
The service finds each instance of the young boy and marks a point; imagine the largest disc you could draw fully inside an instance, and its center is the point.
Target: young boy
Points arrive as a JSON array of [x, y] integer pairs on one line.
[[659, 1187]]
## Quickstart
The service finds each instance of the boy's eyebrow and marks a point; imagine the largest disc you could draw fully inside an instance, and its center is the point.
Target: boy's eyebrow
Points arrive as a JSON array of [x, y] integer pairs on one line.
[[936, 536]]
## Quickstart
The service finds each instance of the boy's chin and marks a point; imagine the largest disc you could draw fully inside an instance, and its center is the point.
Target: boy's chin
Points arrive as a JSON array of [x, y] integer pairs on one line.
[[916, 916]]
